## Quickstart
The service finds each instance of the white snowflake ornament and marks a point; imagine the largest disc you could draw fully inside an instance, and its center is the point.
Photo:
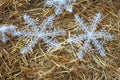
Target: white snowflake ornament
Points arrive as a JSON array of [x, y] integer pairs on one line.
[[44, 32], [60, 5], [90, 36]]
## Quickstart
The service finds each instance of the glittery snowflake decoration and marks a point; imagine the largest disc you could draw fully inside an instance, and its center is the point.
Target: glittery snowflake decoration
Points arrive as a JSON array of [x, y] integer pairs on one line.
[[89, 36], [46, 31], [60, 5]]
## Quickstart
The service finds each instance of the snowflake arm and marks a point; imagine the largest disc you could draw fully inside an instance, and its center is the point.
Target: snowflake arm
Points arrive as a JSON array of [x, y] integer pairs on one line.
[[81, 24], [84, 49], [99, 47], [77, 38], [95, 21], [24, 34], [6, 29], [50, 2], [58, 9], [60, 5], [56, 32], [51, 42], [104, 35], [47, 23], [68, 8], [29, 46], [30, 22]]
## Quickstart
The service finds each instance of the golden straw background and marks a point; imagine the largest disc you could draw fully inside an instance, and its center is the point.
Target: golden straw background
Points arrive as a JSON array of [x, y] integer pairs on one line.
[[61, 64]]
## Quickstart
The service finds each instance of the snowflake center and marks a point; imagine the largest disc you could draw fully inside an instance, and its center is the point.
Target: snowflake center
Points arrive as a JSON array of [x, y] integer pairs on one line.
[[90, 35]]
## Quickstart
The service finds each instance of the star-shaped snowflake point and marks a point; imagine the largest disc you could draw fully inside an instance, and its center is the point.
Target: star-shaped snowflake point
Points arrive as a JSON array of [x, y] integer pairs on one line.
[[60, 5], [90, 36], [6, 29]]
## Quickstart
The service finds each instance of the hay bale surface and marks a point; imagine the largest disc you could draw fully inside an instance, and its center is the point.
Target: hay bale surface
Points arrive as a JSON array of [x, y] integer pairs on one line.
[[61, 64]]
